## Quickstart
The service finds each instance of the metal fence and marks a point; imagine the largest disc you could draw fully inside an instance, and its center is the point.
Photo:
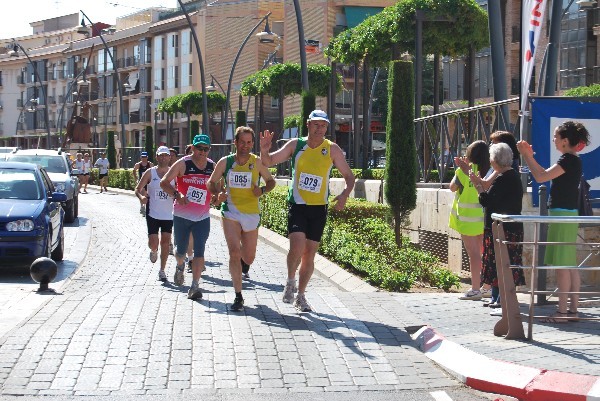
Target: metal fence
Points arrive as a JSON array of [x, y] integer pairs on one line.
[[441, 137]]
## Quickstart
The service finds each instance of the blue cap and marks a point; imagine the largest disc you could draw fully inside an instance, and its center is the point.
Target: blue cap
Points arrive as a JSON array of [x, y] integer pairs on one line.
[[318, 115], [201, 140], [144, 154]]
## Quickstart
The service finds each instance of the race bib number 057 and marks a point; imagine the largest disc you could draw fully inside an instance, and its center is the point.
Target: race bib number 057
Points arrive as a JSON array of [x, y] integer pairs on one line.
[[196, 195], [310, 182], [240, 179]]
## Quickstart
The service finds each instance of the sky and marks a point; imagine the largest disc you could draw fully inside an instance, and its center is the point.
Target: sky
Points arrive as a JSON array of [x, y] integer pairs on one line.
[[14, 23]]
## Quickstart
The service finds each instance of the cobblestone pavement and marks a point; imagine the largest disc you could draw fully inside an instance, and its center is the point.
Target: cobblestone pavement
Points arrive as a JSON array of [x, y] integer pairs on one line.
[[115, 329]]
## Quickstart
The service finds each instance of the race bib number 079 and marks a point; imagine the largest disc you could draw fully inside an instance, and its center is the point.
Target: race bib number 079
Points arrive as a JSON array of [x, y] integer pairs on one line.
[[240, 179], [196, 195], [310, 182]]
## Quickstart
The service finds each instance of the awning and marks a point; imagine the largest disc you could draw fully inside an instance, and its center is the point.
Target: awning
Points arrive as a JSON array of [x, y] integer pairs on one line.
[[356, 15]]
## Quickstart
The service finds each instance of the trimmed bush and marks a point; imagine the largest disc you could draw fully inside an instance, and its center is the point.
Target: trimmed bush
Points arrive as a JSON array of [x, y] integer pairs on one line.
[[360, 238]]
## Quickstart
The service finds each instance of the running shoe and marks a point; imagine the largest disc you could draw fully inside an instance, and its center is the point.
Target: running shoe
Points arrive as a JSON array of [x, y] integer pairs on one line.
[[472, 294], [486, 293], [194, 292], [162, 276], [153, 256], [245, 270], [301, 304], [179, 277], [237, 305], [288, 293]]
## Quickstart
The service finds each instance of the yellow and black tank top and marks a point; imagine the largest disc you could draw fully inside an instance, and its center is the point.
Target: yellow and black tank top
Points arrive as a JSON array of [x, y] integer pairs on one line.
[[310, 173], [238, 183]]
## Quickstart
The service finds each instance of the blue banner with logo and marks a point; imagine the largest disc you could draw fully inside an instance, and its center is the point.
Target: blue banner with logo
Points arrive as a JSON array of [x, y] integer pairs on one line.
[[547, 114]]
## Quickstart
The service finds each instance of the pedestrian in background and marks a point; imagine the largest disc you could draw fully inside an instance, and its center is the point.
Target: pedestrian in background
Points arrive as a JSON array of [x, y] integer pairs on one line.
[[466, 216], [569, 138], [240, 210], [505, 196], [312, 159], [103, 165]]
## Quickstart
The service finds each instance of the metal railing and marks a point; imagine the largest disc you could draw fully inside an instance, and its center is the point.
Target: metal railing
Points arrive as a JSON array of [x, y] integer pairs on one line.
[[511, 324], [441, 137]]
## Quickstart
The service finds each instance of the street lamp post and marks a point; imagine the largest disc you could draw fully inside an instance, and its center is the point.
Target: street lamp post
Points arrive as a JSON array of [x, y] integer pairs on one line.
[[302, 43], [120, 88], [16, 47], [205, 129], [262, 37]]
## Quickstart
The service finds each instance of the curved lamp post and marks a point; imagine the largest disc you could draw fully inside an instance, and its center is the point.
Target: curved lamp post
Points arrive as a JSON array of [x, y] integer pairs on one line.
[[302, 44], [205, 129], [15, 53], [120, 88], [265, 37]]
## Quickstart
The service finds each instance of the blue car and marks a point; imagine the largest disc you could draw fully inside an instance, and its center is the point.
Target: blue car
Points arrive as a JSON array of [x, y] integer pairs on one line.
[[31, 215]]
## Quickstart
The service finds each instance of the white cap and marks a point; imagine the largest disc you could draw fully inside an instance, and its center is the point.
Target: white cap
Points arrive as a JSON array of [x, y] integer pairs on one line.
[[163, 150]]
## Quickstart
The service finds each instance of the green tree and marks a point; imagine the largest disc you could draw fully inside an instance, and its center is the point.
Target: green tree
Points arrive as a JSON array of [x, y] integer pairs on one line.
[[289, 77], [308, 104], [111, 151], [395, 26], [584, 91], [149, 145], [292, 121], [400, 153], [240, 118]]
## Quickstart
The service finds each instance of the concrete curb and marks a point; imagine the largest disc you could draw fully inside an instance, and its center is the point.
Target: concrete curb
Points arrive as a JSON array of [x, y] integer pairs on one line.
[[494, 376]]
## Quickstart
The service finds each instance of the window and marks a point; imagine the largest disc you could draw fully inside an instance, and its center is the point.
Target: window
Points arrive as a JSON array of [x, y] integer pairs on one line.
[[173, 50], [100, 66], [186, 74], [159, 79], [274, 103], [186, 43], [343, 99], [173, 77], [159, 48]]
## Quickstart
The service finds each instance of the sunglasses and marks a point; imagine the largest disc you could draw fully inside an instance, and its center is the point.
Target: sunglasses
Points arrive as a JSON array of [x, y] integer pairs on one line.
[[202, 148]]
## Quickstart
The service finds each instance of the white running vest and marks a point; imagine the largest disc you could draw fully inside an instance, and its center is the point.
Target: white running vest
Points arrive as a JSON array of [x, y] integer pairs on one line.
[[160, 204]]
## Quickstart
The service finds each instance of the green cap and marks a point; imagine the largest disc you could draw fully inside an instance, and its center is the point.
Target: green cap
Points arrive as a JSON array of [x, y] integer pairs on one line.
[[201, 140]]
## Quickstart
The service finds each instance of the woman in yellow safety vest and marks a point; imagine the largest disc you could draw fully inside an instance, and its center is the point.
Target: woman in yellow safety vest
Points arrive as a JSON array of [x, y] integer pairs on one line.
[[466, 215]]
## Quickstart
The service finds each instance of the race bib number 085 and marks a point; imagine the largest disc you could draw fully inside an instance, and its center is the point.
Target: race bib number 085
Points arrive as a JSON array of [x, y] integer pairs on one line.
[[240, 179], [196, 195], [310, 182]]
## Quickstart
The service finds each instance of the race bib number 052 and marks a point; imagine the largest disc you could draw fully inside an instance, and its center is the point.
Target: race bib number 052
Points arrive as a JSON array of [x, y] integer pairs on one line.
[[240, 179], [196, 195], [310, 182]]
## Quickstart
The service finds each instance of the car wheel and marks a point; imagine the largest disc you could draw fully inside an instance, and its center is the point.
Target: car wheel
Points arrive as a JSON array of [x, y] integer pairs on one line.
[[76, 206], [70, 211], [58, 253]]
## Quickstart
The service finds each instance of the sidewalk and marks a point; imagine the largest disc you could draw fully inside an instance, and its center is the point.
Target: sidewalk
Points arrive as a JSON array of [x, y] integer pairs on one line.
[[357, 339]]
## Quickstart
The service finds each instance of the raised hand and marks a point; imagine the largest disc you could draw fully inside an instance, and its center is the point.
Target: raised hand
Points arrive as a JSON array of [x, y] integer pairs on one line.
[[266, 139]]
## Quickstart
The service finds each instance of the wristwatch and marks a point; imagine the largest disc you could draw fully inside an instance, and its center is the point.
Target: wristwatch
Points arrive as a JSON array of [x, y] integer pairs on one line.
[[175, 194]]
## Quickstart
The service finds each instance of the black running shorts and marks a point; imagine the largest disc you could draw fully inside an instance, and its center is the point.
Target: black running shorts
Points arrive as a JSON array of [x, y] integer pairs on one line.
[[307, 219]]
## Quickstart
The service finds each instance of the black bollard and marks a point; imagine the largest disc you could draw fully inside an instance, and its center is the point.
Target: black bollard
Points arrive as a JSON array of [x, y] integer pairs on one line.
[[43, 270]]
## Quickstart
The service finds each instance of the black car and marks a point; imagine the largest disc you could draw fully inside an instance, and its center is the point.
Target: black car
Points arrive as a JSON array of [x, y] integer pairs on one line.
[[31, 215]]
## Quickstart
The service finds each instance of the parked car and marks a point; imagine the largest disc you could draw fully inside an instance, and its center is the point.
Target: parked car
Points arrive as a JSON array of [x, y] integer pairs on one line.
[[4, 150], [58, 166], [31, 215]]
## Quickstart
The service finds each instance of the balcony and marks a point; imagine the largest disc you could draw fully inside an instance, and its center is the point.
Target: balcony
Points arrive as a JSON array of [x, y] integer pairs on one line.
[[51, 100], [21, 80]]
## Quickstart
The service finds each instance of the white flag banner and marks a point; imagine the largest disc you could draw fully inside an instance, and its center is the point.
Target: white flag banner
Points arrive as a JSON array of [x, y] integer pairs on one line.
[[531, 21]]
